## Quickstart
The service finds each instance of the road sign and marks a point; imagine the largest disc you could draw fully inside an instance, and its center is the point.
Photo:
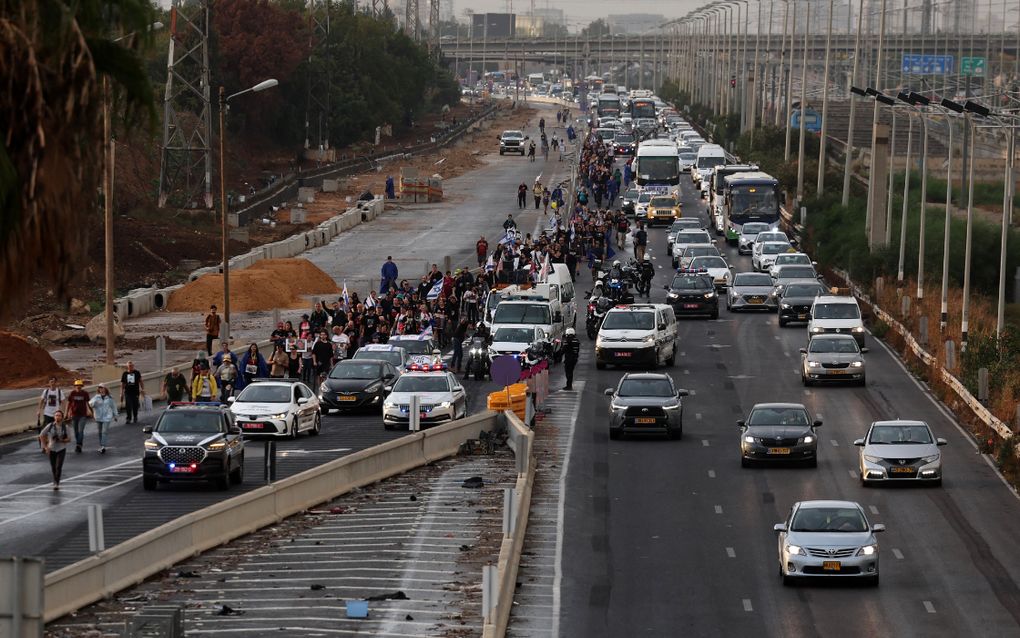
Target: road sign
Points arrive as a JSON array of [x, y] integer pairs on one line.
[[924, 64], [972, 66]]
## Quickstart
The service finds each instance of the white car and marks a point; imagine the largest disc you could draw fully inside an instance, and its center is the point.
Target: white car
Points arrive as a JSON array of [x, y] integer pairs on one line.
[[716, 267], [900, 451], [828, 538], [785, 259], [641, 205], [515, 339], [685, 238], [441, 398], [765, 254], [276, 408]]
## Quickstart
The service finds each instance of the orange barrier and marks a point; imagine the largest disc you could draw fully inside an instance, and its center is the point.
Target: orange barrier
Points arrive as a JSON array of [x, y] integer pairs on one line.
[[515, 398]]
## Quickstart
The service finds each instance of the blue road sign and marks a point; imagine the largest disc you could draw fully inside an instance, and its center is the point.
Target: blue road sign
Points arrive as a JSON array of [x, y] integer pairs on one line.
[[924, 64]]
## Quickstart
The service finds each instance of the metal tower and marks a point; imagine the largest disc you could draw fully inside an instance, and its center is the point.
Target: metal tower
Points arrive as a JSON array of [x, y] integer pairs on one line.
[[434, 26], [320, 83], [412, 19], [186, 160]]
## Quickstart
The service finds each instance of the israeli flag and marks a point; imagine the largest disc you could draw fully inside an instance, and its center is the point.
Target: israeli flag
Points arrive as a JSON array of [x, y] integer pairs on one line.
[[370, 301], [436, 290], [345, 295], [426, 333]]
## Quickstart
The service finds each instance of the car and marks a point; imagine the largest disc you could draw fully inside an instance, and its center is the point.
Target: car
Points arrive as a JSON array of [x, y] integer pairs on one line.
[[277, 407], [693, 294], [687, 223], [790, 259], [828, 538], [686, 238], [795, 301], [193, 442], [750, 291], [637, 334], [646, 403], [630, 198], [769, 235], [687, 158], [785, 275], [624, 144], [901, 450], [419, 347], [395, 355], [716, 267], [765, 254], [778, 432], [748, 233], [832, 358], [441, 399], [663, 210], [836, 314], [641, 205], [512, 142], [357, 384], [513, 340], [695, 250]]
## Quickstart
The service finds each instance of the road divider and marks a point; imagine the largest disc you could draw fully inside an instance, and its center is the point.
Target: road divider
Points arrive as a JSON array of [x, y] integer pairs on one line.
[[129, 563]]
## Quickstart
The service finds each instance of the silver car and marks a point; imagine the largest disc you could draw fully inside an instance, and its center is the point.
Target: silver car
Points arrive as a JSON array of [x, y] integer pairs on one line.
[[832, 357], [646, 403], [748, 233], [900, 451], [751, 291], [828, 538]]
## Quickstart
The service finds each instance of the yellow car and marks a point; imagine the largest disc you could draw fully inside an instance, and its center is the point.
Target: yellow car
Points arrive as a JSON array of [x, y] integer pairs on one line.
[[663, 209]]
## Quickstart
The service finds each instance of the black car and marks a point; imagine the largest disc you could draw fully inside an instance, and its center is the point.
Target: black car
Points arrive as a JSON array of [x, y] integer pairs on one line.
[[779, 432], [624, 144], [693, 294], [357, 384], [193, 442], [796, 299]]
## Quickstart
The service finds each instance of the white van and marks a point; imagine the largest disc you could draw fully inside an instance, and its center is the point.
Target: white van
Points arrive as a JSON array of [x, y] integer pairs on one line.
[[838, 314], [558, 289], [534, 313], [637, 334], [709, 156]]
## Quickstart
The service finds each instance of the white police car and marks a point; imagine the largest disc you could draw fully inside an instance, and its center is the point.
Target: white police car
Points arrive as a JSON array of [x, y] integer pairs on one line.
[[441, 397], [394, 354], [276, 407]]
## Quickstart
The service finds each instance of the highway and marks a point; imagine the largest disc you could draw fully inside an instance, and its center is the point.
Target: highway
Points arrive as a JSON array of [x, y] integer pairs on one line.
[[667, 538]]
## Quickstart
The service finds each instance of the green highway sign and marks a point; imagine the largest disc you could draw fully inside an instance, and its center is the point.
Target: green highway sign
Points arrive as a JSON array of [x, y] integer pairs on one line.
[[972, 66]]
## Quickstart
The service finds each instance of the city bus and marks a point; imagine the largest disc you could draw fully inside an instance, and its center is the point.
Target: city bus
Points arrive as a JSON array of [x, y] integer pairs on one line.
[[750, 197], [642, 107], [608, 105], [657, 167], [594, 83]]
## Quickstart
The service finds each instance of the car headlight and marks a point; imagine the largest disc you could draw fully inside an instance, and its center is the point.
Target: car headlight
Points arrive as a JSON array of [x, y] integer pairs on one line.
[[675, 406], [709, 295], [795, 549], [614, 406], [816, 329], [868, 550], [649, 339], [857, 330], [672, 295], [872, 459], [932, 458], [153, 445], [389, 405], [216, 445], [748, 439], [323, 388], [857, 364], [598, 342], [812, 364], [445, 404], [786, 306], [282, 415], [374, 387], [808, 439]]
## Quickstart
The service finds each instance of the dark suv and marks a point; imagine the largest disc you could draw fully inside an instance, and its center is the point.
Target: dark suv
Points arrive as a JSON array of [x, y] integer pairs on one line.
[[646, 403], [693, 294], [193, 442]]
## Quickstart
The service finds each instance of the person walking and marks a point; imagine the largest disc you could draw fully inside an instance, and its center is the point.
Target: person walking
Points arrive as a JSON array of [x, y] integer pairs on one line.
[[522, 195], [546, 198], [131, 390], [509, 224], [531, 151], [481, 250], [640, 242], [389, 274], [203, 388], [175, 386], [390, 191], [104, 411], [251, 366], [54, 439], [50, 401], [78, 410], [459, 334], [227, 375], [322, 356], [571, 353], [278, 361], [212, 328]]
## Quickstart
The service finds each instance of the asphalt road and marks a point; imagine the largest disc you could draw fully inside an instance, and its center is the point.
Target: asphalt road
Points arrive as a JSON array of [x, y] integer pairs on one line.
[[668, 538], [35, 521]]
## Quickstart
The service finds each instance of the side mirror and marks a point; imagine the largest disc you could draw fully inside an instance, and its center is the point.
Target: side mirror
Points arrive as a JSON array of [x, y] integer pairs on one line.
[[779, 527], [608, 392], [302, 401], [742, 423], [662, 326], [814, 263], [940, 442], [231, 400], [859, 442], [817, 423], [388, 388], [803, 350], [235, 430], [666, 288], [864, 349], [147, 429], [878, 527], [683, 393]]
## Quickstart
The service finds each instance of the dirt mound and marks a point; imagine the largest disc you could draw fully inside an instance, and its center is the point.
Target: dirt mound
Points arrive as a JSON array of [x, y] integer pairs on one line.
[[268, 284], [24, 365]]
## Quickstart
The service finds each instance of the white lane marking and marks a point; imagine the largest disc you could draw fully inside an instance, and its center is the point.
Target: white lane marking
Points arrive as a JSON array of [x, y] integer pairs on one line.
[[776, 336], [718, 509], [686, 371], [558, 571], [694, 393], [69, 479], [747, 605], [928, 607], [711, 474], [704, 442], [852, 473], [697, 416], [62, 504], [835, 443], [731, 552], [897, 553], [874, 510], [807, 393]]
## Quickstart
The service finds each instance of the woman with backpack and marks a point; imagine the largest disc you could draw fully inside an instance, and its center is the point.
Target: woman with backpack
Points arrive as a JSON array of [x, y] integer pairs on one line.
[[54, 439]]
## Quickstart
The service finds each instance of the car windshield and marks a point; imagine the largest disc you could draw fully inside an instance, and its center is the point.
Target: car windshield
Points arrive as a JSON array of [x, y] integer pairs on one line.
[[646, 388], [393, 356], [695, 282], [829, 519], [796, 258], [752, 279], [688, 157], [797, 272], [514, 335], [208, 421], [803, 290], [352, 370], [512, 135], [414, 346], [631, 195], [900, 435], [522, 313], [700, 251], [261, 393], [687, 224], [624, 138], [644, 198], [407, 383], [841, 346], [774, 248], [778, 416], [693, 238], [763, 236], [753, 229], [836, 311], [708, 262], [628, 320], [663, 202]]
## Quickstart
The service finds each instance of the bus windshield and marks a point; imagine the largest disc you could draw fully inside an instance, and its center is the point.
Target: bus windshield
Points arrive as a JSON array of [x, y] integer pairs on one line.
[[754, 202], [642, 107], [663, 169]]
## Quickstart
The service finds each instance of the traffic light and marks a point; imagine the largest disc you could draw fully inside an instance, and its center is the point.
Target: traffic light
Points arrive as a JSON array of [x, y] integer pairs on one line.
[[733, 81]]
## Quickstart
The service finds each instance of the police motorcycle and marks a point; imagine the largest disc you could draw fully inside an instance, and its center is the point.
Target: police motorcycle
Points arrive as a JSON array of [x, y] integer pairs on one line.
[[476, 358], [598, 305], [616, 283], [642, 273]]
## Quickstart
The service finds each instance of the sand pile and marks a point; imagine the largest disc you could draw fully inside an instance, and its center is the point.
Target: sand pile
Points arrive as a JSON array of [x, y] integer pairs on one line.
[[268, 284], [24, 365]]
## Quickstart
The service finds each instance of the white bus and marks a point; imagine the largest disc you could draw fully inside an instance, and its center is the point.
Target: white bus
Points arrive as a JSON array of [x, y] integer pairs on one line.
[[657, 167]]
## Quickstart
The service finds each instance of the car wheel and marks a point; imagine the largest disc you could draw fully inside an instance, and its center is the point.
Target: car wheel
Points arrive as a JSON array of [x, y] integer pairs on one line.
[[237, 476], [223, 481], [676, 433], [873, 581], [316, 426], [615, 433], [745, 462], [148, 483], [863, 382], [323, 410], [787, 581], [805, 381], [671, 361], [293, 429], [715, 314], [388, 426], [813, 462]]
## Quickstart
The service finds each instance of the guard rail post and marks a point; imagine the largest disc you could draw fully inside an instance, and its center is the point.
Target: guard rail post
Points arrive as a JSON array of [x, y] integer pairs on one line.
[[97, 538], [269, 463], [414, 413]]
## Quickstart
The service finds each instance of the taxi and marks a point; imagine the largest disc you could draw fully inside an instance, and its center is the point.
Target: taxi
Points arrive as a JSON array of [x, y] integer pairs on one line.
[[663, 209]]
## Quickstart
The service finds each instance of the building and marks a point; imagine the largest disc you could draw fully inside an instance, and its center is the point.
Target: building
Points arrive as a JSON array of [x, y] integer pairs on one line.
[[529, 26], [493, 25], [635, 22], [551, 16]]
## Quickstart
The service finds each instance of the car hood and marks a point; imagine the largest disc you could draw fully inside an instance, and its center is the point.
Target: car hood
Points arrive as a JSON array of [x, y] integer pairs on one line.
[[349, 385], [423, 397], [625, 335], [800, 301], [752, 290], [509, 346], [908, 451], [259, 408], [830, 539], [834, 357], [778, 431], [644, 401], [186, 438]]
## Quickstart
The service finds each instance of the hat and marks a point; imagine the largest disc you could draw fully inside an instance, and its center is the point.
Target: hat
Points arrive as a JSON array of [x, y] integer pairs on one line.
[[227, 357], [79, 382]]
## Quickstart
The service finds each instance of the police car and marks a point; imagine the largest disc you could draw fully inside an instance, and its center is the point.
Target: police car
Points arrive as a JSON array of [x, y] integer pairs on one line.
[[420, 348], [441, 397], [277, 407], [193, 442], [394, 354]]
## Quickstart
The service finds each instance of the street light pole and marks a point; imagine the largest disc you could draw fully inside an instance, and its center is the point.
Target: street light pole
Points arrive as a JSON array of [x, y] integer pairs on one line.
[[825, 106], [1007, 210], [848, 159], [789, 84], [874, 121], [108, 220], [944, 315], [906, 203], [803, 109], [965, 319]]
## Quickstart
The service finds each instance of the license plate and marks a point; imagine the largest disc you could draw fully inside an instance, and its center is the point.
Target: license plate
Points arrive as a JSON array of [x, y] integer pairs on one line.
[[836, 371], [779, 450], [832, 565], [253, 426], [757, 300], [182, 469], [347, 398], [623, 354], [691, 306], [644, 419], [802, 316], [901, 470]]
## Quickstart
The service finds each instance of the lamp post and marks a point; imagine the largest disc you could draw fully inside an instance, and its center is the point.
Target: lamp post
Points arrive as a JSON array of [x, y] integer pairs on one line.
[[848, 159], [874, 120], [1007, 213], [803, 108], [224, 235], [789, 84], [825, 105]]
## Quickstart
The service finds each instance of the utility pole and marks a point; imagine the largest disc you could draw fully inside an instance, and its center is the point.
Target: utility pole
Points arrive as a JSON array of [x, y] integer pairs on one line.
[[848, 160], [874, 125], [789, 84], [825, 106], [319, 77], [803, 109]]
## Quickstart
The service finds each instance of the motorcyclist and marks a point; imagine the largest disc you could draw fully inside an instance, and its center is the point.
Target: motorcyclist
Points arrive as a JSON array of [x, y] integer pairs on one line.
[[596, 292], [571, 353], [616, 272]]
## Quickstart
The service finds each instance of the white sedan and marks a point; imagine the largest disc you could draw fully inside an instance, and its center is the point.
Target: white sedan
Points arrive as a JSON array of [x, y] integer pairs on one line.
[[276, 408], [716, 267], [785, 259], [441, 398]]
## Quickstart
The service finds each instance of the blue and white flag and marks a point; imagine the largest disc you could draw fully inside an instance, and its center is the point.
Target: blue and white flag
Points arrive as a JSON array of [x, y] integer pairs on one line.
[[345, 295], [489, 265], [435, 291], [426, 333], [370, 301]]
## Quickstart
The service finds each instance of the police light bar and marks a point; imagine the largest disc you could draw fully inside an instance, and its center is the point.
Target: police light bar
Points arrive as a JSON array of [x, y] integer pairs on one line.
[[425, 367], [175, 404]]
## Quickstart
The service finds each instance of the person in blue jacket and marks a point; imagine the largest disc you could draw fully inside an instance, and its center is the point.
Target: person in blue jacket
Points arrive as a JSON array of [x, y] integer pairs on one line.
[[251, 366], [389, 274], [390, 194]]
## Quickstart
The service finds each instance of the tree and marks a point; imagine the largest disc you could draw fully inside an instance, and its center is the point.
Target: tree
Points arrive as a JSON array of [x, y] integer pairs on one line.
[[54, 56], [596, 29]]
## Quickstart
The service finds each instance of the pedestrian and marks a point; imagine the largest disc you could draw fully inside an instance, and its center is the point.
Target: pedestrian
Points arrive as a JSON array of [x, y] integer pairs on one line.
[[203, 388], [459, 334], [546, 198], [390, 192], [212, 328], [278, 362], [227, 375], [50, 401], [571, 353], [522, 195], [322, 356], [640, 242], [175, 386], [531, 151], [481, 250], [251, 366], [54, 439], [389, 274], [318, 318], [131, 390], [536, 191], [201, 362], [509, 224], [104, 411], [79, 411]]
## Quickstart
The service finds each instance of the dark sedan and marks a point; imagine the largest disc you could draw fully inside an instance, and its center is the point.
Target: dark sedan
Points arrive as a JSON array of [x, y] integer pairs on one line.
[[693, 294], [357, 384], [624, 144], [796, 299], [779, 432], [646, 403]]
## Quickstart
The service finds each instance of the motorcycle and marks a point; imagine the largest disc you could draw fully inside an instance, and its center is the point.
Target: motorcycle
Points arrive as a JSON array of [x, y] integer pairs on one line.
[[476, 359], [644, 271], [597, 309]]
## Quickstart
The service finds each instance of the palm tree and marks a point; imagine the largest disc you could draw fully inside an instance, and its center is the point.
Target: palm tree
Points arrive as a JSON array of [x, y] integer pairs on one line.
[[54, 56]]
